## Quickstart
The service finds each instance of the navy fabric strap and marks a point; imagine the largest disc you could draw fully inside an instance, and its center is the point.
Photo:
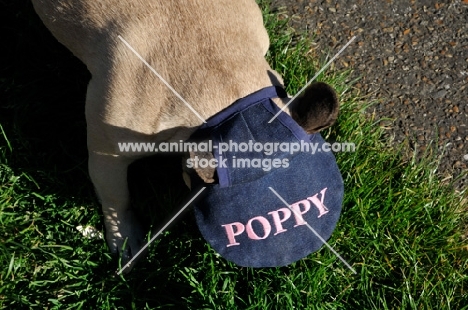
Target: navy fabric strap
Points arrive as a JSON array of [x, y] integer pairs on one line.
[[263, 97], [242, 104]]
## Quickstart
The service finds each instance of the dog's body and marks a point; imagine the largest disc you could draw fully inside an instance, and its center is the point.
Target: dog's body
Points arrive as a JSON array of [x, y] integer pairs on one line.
[[210, 52]]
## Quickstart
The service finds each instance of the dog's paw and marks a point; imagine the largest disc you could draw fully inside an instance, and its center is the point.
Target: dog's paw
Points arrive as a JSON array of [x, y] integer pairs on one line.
[[125, 237]]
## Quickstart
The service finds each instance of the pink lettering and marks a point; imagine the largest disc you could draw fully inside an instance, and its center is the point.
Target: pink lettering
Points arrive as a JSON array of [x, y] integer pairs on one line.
[[299, 209], [319, 203], [298, 213], [278, 220], [231, 234], [266, 228]]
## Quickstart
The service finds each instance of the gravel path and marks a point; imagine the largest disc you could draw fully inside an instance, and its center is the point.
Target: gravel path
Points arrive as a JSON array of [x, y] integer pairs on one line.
[[412, 57]]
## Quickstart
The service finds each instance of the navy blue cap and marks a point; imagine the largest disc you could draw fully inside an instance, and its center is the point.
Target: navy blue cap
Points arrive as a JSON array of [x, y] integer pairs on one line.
[[239, 215]]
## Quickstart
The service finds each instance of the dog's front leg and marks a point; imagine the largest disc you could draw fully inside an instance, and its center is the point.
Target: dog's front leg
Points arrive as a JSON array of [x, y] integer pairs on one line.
[[109, 176]]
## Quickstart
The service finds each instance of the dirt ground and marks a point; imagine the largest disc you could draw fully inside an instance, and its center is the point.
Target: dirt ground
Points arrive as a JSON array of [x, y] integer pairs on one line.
[[411, 56]]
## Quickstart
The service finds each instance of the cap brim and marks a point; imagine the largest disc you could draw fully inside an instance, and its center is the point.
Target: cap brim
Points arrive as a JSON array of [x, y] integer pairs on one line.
[[303, 181]]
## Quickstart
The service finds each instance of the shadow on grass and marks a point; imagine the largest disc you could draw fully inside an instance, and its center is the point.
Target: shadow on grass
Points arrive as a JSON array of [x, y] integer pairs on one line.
[[43, 89]]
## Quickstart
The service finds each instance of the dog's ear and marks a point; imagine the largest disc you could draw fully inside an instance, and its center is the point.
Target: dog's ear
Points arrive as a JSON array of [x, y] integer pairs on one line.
[[207, 174], [316, 108]]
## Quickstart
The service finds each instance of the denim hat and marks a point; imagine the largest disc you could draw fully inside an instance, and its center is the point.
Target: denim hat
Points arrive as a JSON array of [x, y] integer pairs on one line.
[[239, 215]]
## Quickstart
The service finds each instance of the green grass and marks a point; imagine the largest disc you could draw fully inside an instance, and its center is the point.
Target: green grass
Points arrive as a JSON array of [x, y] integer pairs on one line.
[[401, 229]]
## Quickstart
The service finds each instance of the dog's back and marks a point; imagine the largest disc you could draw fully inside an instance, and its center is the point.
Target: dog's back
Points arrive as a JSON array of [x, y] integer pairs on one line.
[[211, 52]]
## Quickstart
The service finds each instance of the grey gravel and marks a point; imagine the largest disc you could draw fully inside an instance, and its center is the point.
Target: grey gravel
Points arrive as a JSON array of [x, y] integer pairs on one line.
[[412, 56]]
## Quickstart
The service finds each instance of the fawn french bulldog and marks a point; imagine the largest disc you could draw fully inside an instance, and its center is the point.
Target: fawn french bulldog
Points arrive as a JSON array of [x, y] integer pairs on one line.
[[210, 51]]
